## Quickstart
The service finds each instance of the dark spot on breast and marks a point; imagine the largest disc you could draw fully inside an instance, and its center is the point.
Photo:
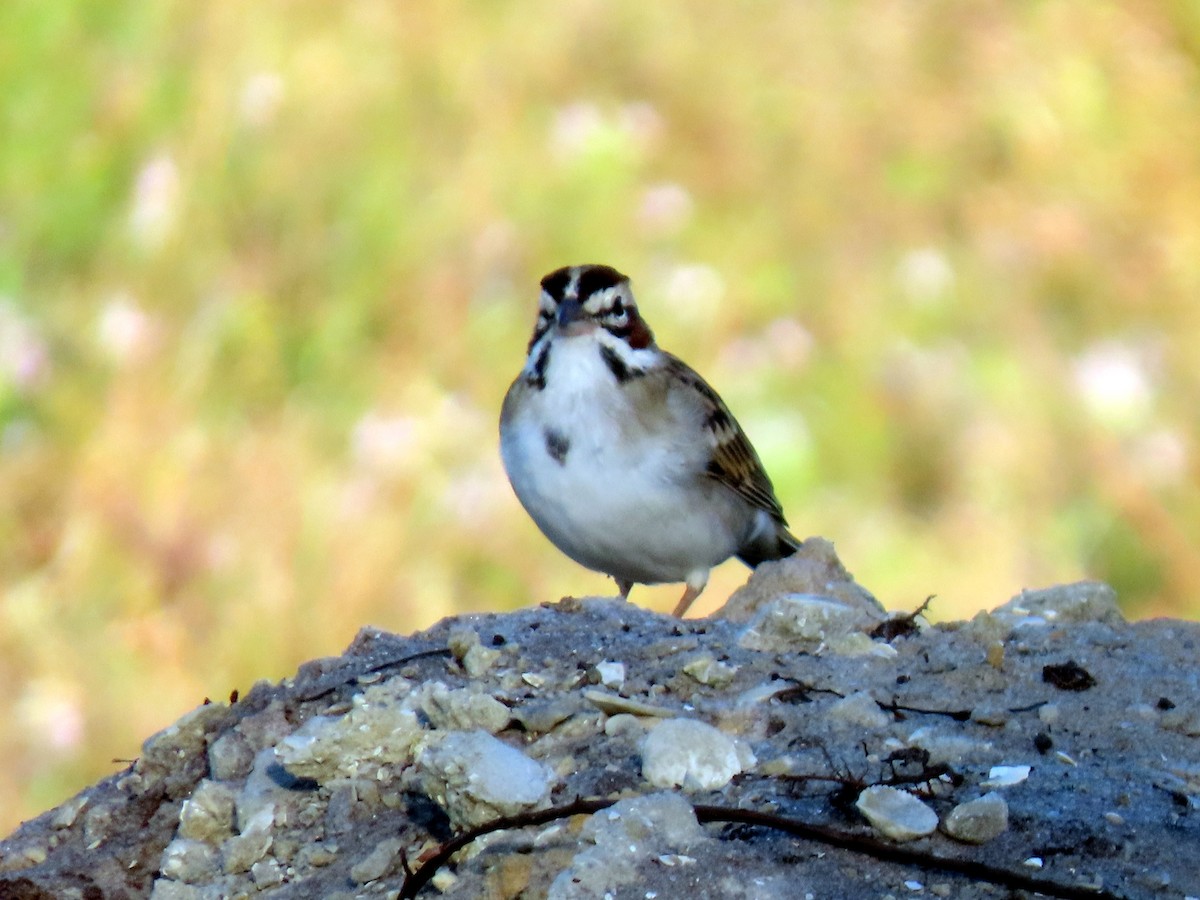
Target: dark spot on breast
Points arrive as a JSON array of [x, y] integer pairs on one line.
[[617, 366], [557, 446]]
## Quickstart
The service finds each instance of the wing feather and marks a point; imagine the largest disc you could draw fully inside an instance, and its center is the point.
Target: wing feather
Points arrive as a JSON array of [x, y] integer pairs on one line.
[[733, 461]]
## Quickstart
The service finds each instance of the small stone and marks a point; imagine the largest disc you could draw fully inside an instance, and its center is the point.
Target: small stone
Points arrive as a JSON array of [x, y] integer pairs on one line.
[[990, 715], [230, 757], [611, 674], [978, 821], [624, 723], [612, 704], [858, 643], [657, 826], [318, 855], [187, 860], [541, 716], [995, 654], [266, 873], [377, 863], [176, 757], [1083, 601], [380, 730], [707, 670], [896, 814], [1006, 776], [1183, 719], [165, 889], [692, 755], [476, 777], [207, 815], [463, 709], [806, 621], [97, 825], [475, 659], [948, 747], [814, 569], [65, 815], [242, 851], [860, 710]]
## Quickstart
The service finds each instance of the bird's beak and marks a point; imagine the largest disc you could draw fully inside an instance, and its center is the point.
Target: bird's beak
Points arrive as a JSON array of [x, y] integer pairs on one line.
[[568, 312], [570, 317]]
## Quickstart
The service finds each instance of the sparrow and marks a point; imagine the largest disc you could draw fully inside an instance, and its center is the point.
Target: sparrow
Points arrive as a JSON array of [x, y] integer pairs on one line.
[[624, 457]]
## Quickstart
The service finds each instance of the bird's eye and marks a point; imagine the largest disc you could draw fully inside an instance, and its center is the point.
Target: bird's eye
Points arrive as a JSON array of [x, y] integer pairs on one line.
[[618, 309]]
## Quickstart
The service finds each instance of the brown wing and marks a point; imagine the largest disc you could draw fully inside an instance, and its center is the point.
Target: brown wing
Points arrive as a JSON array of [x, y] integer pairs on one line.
[[733, 463]]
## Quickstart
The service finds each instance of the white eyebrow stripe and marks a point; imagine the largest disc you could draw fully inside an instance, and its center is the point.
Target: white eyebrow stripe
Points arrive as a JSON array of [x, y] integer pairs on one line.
[[572, 289]]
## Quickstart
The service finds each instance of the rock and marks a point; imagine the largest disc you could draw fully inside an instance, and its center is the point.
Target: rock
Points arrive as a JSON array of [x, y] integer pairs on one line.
[[860, 710], [475, 659], [707, 670], [241, 852], [370, 750], [946, 746], [463, 709], [475, 777], [188, 860], [625, 835], [896, 814], [376, 864], [380, 729], [1006, 776], [1083, 601], [611, 674], [692, 755], [978, 821], [813, 570], [208, 814], [801, 621]]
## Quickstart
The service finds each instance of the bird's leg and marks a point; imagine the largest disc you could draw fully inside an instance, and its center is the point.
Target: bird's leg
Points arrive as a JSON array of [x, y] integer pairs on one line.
[[624, 587], [694, 586]]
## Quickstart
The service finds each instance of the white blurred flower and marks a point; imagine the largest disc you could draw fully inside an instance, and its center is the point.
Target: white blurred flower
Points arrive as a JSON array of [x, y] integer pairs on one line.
[[475, 495], [49, 714], [692, 291], [576, 127], [24, 357], [155, 201], [925, 275], [784, 344], [261, 97], [384, 442], [1161, 456], [124, 331], [581, 128], [641, 123], [1113, 383], [665, 208]]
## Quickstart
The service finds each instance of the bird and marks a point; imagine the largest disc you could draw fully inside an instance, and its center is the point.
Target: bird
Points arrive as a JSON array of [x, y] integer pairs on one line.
[[622, 454]]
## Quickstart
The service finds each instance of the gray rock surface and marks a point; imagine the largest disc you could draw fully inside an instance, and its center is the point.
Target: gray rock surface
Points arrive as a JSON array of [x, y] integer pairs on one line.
[[1056, 744]]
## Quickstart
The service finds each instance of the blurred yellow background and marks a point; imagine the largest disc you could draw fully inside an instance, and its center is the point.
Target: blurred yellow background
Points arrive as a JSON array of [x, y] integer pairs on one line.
[[267, 269]]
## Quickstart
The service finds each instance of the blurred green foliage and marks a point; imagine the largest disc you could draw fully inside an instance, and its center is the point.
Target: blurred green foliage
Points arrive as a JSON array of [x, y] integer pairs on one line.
[[267, 269]]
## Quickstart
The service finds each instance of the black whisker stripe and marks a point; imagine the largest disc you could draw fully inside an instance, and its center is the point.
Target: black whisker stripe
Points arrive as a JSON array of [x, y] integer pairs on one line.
[[537, 378], [617, 366], [541, 328]]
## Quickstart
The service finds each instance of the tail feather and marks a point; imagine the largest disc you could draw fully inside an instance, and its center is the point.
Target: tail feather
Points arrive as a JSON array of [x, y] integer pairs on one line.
[[774, 545]]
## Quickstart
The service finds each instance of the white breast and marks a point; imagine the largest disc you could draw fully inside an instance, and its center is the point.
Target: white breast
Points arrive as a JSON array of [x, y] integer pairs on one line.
[[625, 499]]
